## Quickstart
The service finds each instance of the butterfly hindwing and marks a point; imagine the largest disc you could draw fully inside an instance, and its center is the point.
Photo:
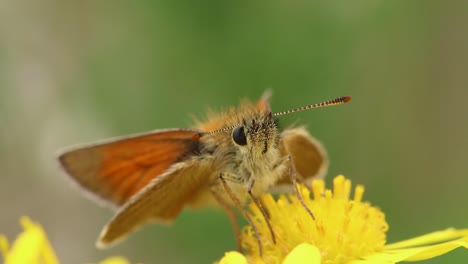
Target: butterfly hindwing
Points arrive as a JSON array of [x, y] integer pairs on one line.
[[160, 201]]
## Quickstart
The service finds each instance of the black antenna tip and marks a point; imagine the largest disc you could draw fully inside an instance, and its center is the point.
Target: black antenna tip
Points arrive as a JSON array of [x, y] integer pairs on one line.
[[346, 98]]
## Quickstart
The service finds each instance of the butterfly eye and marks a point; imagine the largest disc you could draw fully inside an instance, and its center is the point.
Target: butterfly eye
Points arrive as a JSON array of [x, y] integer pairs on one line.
[[238, 136]]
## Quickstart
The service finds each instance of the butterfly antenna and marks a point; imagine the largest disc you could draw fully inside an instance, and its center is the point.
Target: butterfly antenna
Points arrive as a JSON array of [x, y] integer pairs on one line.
[[223, 129], [336, 101]]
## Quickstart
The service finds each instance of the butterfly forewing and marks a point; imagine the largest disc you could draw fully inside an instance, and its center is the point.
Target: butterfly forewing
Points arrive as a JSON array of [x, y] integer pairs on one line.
[[116, 170]]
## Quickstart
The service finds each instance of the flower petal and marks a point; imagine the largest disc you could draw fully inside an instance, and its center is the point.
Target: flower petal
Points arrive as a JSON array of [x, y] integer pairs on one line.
[[233, 257], [303, 253], [428, 252], [114, 260], [31, 246], [434, 237], [4, 246], [415, 253]]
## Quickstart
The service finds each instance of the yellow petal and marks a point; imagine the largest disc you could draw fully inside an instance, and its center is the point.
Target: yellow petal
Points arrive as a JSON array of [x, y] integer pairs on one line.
[[233, 257], [421, 253], [303, 253], [114, 260], [31, 246], [434, 237], [415, 253], [4, 246]]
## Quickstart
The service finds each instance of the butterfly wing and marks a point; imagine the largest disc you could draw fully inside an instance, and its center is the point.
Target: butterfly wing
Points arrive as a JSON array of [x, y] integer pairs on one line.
[[117, 169], [308, 156], [264, 102], [160, 201]]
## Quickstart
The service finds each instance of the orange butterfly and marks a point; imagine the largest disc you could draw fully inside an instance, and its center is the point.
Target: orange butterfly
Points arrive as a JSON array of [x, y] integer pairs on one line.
[[226, 160]]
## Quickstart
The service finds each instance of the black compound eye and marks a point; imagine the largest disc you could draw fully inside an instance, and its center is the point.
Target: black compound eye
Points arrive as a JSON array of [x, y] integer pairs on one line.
[[238, 136]]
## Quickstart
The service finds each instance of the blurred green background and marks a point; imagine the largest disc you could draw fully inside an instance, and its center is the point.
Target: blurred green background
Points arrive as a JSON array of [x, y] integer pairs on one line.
[[79, 71]]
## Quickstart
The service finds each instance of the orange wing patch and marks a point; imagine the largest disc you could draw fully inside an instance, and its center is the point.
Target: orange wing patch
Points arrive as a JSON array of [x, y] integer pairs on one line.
[[116, 170]]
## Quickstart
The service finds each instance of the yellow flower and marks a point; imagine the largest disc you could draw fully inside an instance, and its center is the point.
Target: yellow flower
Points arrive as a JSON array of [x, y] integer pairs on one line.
[[345, 231], [33, 247]]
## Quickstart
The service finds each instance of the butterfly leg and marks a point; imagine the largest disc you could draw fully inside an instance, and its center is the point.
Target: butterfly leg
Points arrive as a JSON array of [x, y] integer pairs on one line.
[[232, 218], [292, 176], [262, 209], [301, 180], [223, 177]]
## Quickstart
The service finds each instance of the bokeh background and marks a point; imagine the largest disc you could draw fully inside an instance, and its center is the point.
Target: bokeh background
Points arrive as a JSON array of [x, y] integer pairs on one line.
[[79, 71]]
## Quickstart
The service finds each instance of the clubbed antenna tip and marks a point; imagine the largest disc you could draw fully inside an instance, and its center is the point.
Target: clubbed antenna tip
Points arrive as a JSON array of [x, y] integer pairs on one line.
[[346, 98]]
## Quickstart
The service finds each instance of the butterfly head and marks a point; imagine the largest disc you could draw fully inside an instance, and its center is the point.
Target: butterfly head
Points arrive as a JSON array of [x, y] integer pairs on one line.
[[256, 136]]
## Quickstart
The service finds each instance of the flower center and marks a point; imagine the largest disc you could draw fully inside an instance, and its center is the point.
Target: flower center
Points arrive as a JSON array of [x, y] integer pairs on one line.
[[344, 229]]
